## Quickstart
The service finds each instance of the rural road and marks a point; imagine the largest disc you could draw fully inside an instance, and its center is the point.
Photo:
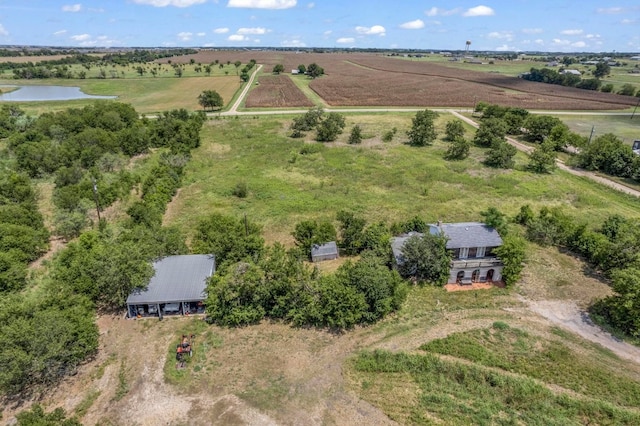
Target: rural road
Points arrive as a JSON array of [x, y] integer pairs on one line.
[[234, 108]]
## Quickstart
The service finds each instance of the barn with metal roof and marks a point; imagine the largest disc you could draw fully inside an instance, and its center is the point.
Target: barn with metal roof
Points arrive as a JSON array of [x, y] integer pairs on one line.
[[177, 287]]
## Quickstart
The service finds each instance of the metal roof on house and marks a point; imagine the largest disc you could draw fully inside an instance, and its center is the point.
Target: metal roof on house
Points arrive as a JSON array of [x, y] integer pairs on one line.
[[177, 279], [470, 234], [324, 249]]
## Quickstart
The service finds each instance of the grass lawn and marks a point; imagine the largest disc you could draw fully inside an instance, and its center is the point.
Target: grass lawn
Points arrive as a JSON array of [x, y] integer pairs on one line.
[[626, 128], [290, 180]]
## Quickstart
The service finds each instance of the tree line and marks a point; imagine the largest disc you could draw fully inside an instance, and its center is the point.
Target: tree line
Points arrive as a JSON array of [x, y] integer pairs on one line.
[[46, 333]]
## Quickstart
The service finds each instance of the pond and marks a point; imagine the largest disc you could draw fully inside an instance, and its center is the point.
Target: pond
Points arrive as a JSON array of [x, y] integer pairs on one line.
[[47, 93]]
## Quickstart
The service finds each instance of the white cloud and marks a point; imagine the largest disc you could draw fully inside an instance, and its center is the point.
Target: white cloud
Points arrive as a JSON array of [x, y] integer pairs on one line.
[[346, 40], [61, 32], [3, 31], [221, 30], [292, 43], [539, 41], [561, 42], [185, 36], [592, 36], [237, 37], [263, 4], [80, 37], [571, 32], [435, 11], [413, 25], [501, 35], [532, 30], [164, 3], [327, 33], [506, 48], [627, 21], [257, 30], [72, 7], [375, 30], [311, 5], [579, 44], [610, 10], [96, 10], [201, 34], [479, 11]]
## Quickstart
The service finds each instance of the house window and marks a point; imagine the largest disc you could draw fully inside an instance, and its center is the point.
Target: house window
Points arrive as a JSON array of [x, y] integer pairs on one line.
[[464, 252], [480, 252], [472, 251]]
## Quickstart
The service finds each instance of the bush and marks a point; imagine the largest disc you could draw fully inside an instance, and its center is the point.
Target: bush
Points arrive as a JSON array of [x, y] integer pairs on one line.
[[241, 190]]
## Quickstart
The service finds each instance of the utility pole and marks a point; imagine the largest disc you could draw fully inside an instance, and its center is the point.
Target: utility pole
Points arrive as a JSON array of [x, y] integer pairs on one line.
[[634, 110], [95, 197], [593, 128]]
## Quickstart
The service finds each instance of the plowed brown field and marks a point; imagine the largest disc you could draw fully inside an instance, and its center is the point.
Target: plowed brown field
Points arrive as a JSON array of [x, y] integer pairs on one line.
[[360, 79], [276, 91]]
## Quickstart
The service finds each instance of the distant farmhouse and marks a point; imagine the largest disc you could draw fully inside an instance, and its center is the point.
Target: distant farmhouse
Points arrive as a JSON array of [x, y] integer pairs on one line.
[[472, 245], [572, 72], [177, 287]]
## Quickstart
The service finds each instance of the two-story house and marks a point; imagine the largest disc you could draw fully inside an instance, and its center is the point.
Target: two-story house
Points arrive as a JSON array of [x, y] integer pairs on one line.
[[472, 245]]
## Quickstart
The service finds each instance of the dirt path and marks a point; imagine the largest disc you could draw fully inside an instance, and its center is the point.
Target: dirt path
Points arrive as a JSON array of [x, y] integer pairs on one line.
[[567, 315], [234, 108]]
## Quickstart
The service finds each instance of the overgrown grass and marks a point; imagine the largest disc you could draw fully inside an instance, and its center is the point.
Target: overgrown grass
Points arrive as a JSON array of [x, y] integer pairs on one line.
[[86, 403], [383, 182], [123, 384], [200, 364], [455, 393], [551, 361]]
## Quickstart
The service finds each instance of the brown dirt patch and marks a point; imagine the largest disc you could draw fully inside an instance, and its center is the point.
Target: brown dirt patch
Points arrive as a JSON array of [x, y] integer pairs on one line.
[[276, 91], [472, 286]]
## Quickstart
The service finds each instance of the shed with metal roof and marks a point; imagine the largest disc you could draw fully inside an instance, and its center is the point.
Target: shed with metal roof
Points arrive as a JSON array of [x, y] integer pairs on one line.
[[177, 287], [326, 251]]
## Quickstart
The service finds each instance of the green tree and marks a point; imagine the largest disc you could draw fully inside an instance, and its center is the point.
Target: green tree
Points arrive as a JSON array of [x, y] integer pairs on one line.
[[36, 416], [500, 155], [314, 70], [210, 99], [512, 254], [426, 259], [237, 65], [539, 127], [329, 128], [229, 239], [383, 289], [490, 129], [627, 89], [459, 149], [356, 135], [543, 158], [351, 232], [302, 69], [496, 219], [310, 232], [602, 70], [278, 68], [423, 131], [454, 130]]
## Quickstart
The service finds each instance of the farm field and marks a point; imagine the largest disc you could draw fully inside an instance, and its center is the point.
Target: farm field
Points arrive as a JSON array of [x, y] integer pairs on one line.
[[276, 91], [357, 79]]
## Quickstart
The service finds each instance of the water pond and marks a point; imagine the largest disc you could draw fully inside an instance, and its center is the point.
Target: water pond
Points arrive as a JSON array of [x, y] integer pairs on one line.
[[47, 93]]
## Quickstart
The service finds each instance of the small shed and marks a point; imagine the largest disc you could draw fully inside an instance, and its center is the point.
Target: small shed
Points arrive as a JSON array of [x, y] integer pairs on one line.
[[326, 251], [177, 287]]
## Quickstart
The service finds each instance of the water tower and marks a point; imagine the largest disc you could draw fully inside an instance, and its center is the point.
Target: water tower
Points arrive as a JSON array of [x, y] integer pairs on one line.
[[467, 44]]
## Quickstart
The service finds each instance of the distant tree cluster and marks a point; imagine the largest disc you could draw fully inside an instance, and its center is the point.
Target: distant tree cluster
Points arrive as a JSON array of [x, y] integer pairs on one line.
[[328, 126], [549, 76], [608, 154]]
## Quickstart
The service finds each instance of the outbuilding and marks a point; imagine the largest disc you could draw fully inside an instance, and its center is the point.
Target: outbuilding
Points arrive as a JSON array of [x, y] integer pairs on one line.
[[326, 251], [176, 288]]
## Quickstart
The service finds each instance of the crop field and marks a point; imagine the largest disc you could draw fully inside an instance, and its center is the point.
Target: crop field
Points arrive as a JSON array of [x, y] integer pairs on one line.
[[372, 80], [276, 91]]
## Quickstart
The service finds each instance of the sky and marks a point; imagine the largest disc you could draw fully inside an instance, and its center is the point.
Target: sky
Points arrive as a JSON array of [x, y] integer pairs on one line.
[[495, 25]]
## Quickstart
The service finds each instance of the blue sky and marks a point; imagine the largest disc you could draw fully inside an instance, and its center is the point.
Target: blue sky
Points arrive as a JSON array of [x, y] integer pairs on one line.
[[520, 25]]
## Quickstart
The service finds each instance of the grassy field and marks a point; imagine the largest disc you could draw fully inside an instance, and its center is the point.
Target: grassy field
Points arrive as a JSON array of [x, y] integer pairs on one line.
[[626, 128], [146, 94], [291, 180]]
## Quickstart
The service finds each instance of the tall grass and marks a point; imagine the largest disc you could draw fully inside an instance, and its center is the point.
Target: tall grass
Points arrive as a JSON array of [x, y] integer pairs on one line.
[[455, 393]]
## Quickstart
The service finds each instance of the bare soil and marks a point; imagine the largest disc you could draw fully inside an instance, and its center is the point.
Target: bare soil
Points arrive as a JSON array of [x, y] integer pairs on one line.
[[277, 91]]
